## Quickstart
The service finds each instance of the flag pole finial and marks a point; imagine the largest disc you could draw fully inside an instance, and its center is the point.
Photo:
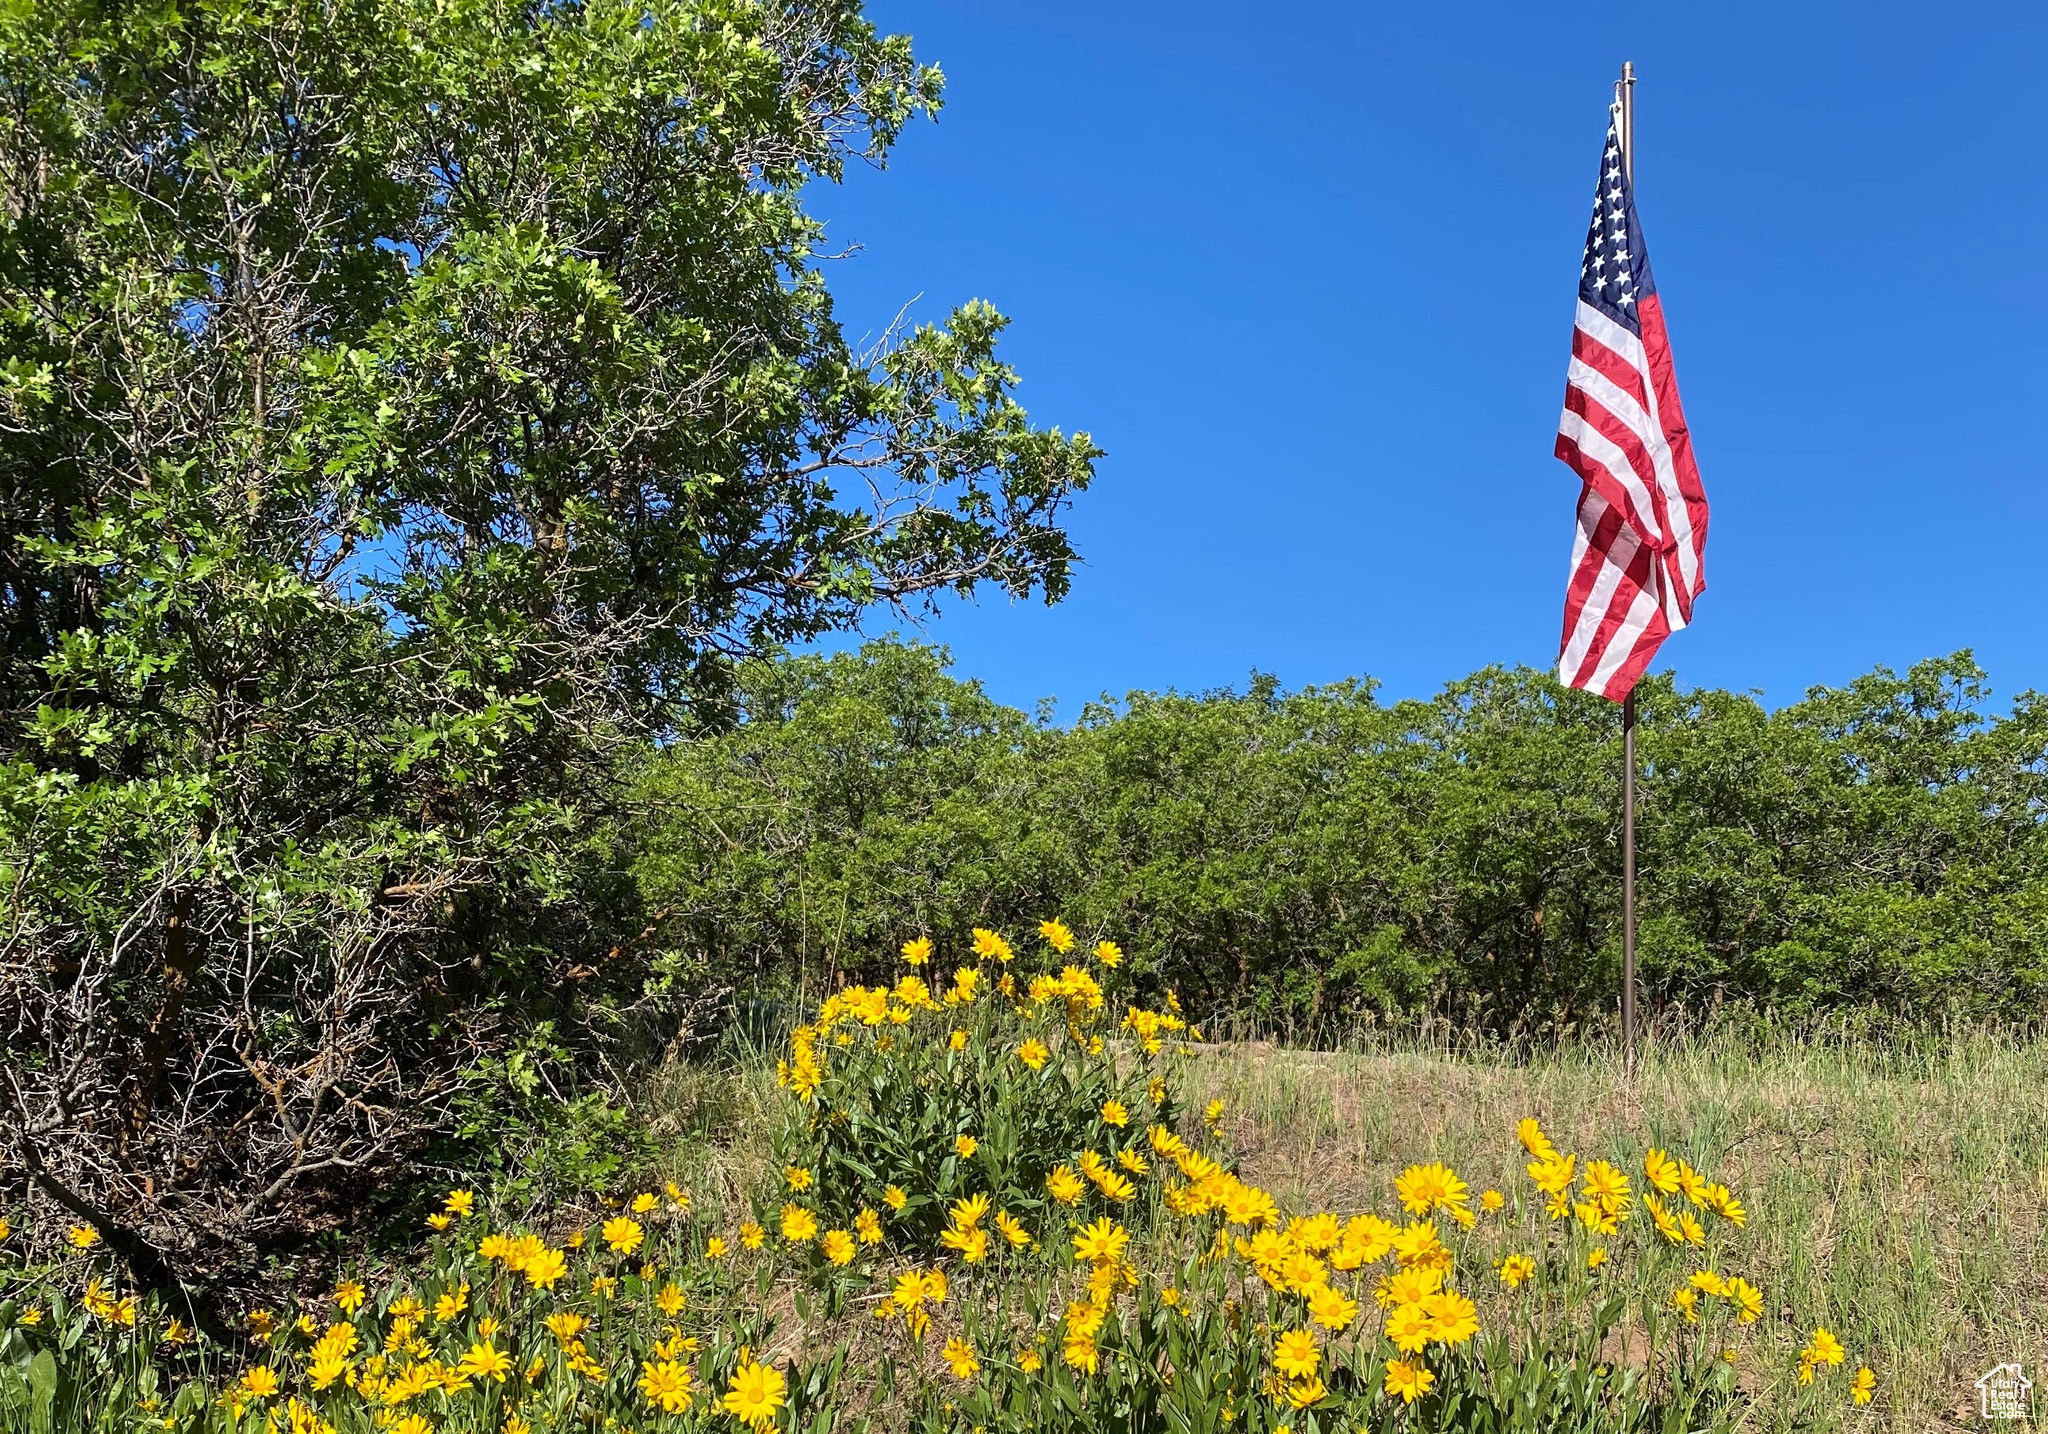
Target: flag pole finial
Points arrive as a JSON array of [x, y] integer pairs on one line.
[[1625, 100]]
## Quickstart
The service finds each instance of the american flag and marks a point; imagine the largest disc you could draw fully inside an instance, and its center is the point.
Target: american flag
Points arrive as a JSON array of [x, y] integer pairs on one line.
[[1636, 563]]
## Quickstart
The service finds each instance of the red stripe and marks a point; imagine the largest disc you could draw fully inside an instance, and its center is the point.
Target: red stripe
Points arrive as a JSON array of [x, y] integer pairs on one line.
[[1588, 571], [1634, 578], [1608, 621], [1637, 662], [1623, 374], [1671, 417], [1593, 474], [1611, 427], [1651, 574]]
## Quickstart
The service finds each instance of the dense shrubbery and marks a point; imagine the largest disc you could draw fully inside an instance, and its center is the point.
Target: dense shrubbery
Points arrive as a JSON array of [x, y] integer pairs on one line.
[[1316, 856]]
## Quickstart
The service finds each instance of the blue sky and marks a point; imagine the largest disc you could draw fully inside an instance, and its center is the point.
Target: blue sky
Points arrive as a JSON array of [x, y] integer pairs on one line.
[[1306, 272]]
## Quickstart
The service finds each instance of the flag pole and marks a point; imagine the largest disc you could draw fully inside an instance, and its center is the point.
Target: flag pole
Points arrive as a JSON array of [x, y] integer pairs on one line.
[[1625, 92], [1628, 881]]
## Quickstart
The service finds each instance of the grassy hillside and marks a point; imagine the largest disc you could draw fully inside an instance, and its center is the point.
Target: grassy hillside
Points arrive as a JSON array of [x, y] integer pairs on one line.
[[1902, 1192]]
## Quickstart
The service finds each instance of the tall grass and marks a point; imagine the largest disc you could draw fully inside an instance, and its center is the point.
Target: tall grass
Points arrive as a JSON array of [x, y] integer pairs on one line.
[[1899, 1186]]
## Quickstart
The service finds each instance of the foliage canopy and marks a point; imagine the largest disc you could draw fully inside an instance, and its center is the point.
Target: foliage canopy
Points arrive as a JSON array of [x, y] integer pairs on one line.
[[409, 407], [1322, 857]]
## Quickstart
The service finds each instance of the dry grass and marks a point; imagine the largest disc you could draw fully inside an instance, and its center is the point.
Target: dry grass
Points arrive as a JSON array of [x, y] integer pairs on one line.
[[1901, 1192]]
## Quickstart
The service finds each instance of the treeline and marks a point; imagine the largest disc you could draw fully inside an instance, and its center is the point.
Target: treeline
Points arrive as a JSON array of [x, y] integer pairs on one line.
[[1322, 857]]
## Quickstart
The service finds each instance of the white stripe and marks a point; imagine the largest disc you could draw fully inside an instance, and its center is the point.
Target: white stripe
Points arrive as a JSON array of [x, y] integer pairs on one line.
[[1602, 596], [1623, 641], [1614, 398], [1600, 449], [1676, 515], [1626, 411], [1629, 345]]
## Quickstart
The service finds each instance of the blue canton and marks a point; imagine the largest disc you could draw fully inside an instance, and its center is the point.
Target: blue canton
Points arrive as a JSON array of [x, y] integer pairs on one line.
[[1616, 271]]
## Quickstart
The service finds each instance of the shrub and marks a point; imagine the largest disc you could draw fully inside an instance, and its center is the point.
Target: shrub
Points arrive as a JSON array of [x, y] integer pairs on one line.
[[314, 698], [910, 1097]]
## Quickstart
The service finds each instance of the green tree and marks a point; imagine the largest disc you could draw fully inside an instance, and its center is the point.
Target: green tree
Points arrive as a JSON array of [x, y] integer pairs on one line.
[[411, 409]]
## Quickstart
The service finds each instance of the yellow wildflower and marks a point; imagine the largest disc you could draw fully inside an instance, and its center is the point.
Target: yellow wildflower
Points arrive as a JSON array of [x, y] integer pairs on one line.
[[1301, 1395], [1409, 1328], [483, 1361], [1331, 1308], [259, 1382], [1423, 1188], [1408, 1380], [1295, 1354], [545, 1267], [666, 1385], [1723, 1203], [959, 1356], [1530, 1133], [1824, 1348], [1661, 1171], [756, 1392], [1101, 1242], [1453, 1319], [1064, 1185]]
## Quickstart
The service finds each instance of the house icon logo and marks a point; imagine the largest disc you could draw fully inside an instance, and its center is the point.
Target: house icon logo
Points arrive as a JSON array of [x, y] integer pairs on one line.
[[2002, 1392]]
